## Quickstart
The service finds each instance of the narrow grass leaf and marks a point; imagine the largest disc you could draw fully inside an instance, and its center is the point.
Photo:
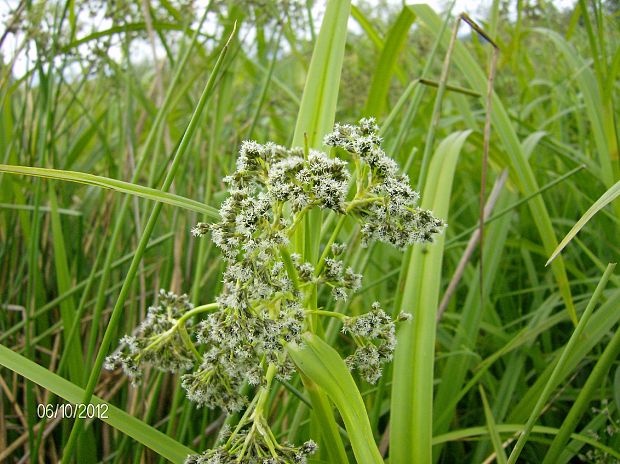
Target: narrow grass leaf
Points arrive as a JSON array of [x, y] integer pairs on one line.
[[599, 110], [144, 239], [586, 395], [394, 44], [63, 278], [117, 185], [318, 103], [500, 455], [596, 330], [520, 169], [609, 196], [367, 26], [473, 432], [332, 443]]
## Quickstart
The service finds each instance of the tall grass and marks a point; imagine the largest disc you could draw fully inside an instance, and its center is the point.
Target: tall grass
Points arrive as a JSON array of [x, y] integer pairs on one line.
[[106, 163]]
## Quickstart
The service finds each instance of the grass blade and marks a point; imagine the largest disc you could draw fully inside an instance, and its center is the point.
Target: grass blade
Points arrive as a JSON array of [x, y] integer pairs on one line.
[[73, 345], [318, 103], [520, 169], [586, 394], [324, 366], [411, 423], [146, 234], [599, 106], [472, 432], [394, 43], [609, 196], [316, 118], [500, 455], [113, 184], [323, 410]]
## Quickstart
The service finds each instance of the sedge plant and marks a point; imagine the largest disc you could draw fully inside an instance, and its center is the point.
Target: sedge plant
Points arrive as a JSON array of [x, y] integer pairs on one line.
[[296, 271], [242, 336]]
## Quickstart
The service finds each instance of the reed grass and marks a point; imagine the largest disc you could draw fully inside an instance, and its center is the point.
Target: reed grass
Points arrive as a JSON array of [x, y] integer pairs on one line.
[[106, 163]]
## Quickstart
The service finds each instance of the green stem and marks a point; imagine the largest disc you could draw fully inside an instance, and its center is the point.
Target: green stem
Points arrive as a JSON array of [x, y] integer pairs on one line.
[[289, 266], [321, 312], [242, 421], [298, 217], [188, 342], [257, 417], [328, 245], [362, 201], [263, 395], [197, 310]]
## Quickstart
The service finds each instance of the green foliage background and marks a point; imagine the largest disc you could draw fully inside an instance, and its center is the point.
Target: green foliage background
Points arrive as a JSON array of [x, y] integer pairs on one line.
[[88, 102]]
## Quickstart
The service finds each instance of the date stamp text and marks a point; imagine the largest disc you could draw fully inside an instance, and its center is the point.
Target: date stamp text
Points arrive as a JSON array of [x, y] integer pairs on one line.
[[72, 411]]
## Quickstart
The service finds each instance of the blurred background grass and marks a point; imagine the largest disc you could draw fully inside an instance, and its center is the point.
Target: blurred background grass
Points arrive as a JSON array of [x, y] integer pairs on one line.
[[81, 86]]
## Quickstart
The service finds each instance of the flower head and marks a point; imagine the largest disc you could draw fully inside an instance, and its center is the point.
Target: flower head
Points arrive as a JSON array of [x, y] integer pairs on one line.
[[375, 333], [157, 341], [387, 209], [265, 287]]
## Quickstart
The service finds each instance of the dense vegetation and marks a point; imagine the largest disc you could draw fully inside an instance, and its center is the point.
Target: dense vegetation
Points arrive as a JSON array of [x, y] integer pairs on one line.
[[308, 296]]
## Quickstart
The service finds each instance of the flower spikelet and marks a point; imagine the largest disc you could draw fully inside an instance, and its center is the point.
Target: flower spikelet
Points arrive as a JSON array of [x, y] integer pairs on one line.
[[386, 205], [375, 334], [156, 341]]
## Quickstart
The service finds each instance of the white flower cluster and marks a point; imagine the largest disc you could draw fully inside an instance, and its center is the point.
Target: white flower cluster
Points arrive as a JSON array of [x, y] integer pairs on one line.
[[216, 383], [156, 341], [387, 205], [267, 176], [260, 307], [333, 274], [238, 343], [374, 332], [317, 180], [270, 190]]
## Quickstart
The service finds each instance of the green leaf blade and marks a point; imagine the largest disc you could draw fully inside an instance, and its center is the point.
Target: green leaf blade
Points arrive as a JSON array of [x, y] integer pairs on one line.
[[113, 184], [324, 366], [411, 424]]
